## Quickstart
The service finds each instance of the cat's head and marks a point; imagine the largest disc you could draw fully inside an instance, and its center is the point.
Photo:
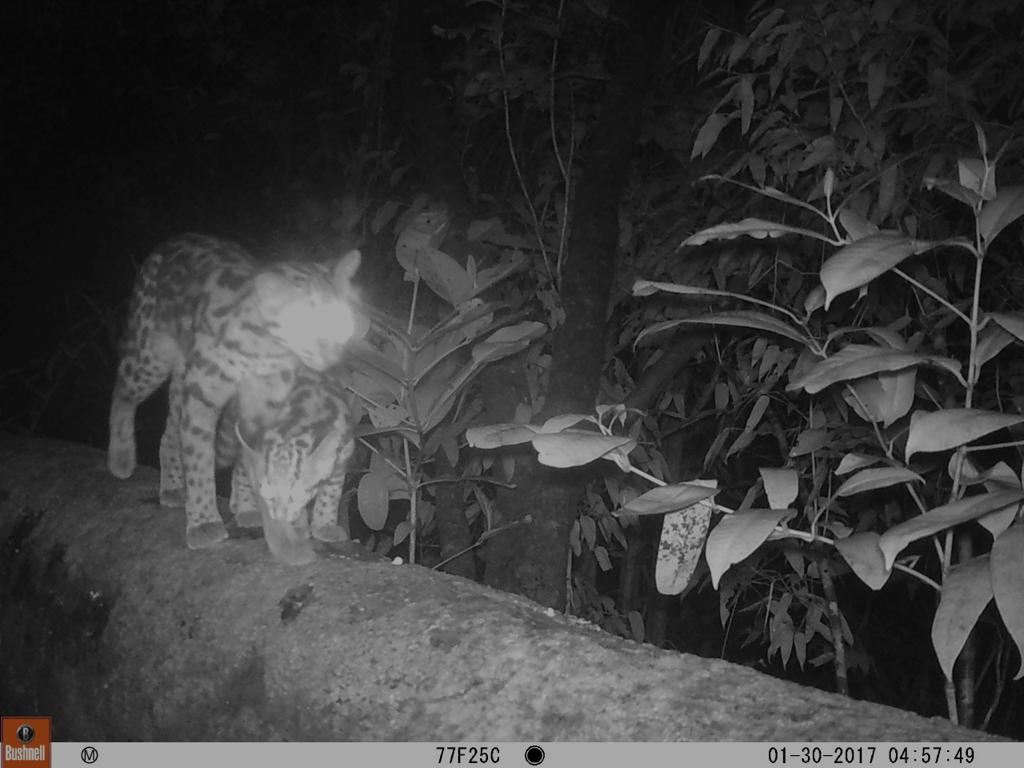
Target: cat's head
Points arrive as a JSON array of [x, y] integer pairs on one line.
[[310, 308], [286, 472]]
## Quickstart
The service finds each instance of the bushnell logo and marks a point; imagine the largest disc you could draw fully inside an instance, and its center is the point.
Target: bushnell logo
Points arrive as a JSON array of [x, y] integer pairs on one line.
[[26, 742]]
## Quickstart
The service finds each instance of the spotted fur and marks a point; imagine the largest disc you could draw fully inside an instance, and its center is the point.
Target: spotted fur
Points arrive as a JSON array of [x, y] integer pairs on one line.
[[205, 315]]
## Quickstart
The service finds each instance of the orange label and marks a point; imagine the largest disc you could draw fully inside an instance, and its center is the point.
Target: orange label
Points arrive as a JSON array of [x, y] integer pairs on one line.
[[25, 742]]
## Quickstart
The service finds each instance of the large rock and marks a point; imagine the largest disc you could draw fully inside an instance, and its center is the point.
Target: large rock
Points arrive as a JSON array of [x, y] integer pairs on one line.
[[108, 623]]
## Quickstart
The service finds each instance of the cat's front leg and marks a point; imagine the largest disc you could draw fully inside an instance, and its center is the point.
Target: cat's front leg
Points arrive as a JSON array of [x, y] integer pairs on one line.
[[244, 505], [327, 522], [203, 525]]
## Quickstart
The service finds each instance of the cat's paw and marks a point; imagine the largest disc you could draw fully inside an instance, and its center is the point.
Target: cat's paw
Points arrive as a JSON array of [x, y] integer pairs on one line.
[[205, 535], [330, 532], [172, 497], [249, 519], [121, 462]]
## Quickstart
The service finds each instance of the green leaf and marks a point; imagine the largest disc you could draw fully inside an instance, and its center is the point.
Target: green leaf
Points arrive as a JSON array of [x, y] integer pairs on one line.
[[708, 45], [932, 431], [745, 96], [856, 226], [808, 441], [992, 340], [780, 486], [855, 361], [860, 262], [498, 435], [372, 496], [854, 461], [894, 540], [508, 341], [756, 228], [576, 447], [862, 552], [683, 534], [758, 321], [1008, 584], [966, 591], [973, 176], [669, 498], [708, 133], [737, 536], [893, 398], [1012, 322], [883, 477], [886, 397], [996, 215], [564, 420]]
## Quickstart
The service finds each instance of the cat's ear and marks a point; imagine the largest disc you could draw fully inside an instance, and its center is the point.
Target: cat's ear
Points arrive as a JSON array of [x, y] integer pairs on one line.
[[345, 270]]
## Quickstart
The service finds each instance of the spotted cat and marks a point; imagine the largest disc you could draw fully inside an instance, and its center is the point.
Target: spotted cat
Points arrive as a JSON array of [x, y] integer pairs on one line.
[[284, 460], [205, 315]]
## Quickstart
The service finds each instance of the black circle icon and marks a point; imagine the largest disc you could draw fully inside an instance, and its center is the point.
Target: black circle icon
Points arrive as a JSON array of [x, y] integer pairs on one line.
[[25, 733], [90, 755], [534, 755]]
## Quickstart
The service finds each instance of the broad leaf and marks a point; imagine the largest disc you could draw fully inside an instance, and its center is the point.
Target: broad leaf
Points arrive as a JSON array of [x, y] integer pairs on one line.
[[894, 540], [683, 534], [780, 486], [855, 361], [966, 591], [670, 498], [998, 214], [864, 556], [576, 447], [757, 228], [870, 479], [973, 176], [758, 321], [708, 134], [564, 420], [886, 397], [952, 427], [372, 497], [1008, 584], [737, 536], [856, 225], [860, 262], [498, 435], [1010, 321], [855, 461], [992, 340]]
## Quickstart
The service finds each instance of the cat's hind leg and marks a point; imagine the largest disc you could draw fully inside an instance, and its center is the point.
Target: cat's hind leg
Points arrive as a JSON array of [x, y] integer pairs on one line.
[[139, 373]]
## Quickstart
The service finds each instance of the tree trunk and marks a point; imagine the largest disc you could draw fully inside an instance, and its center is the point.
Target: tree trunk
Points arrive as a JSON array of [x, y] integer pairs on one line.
[[531, 559], [115, 629], [431, 130]]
